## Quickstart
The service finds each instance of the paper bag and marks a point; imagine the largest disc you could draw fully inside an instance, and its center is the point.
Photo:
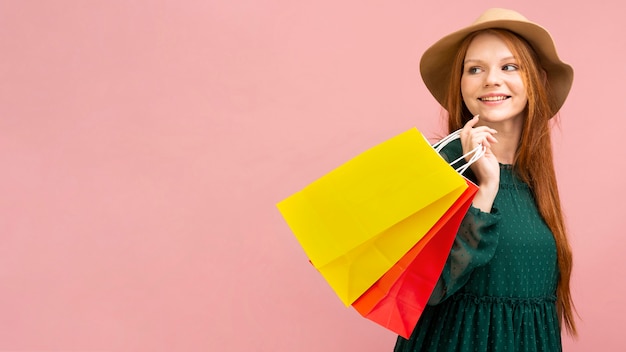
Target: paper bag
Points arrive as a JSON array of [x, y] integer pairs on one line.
[[397, 299], [357, 221]]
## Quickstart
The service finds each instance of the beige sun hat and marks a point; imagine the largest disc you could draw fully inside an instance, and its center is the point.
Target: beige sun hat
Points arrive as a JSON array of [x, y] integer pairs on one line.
[[437, 60]]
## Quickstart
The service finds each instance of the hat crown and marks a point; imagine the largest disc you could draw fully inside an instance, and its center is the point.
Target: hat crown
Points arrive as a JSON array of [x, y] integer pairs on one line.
[[498, 14]]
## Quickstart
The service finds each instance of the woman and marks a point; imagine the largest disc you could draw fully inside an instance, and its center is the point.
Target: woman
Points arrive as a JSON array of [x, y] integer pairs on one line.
[[505, 285]]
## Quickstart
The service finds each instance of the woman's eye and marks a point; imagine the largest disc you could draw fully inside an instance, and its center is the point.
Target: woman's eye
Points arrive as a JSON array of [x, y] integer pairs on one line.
[[510, 67], [473, 70]]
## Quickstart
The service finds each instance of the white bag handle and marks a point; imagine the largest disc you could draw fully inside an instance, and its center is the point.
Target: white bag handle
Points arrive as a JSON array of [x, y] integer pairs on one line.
[[476, 153], [446, 140]]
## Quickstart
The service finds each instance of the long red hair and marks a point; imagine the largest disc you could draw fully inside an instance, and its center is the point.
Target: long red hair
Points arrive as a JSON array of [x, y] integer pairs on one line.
[[533, 159]]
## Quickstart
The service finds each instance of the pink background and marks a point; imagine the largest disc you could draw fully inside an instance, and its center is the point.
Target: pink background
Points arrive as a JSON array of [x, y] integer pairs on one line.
[[144, 145]]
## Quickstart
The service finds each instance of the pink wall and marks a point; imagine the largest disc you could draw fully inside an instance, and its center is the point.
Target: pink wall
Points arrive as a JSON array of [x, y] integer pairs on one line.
[[144, 145]]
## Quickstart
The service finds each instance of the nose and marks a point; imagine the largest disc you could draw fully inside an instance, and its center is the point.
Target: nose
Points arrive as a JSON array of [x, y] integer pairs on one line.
[[493, 78]]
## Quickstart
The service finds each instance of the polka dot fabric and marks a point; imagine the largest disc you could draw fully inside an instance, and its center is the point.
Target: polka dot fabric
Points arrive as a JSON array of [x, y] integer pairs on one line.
[[497, 290]]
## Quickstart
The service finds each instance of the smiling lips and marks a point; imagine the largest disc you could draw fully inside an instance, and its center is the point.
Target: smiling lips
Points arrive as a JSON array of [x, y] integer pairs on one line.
[[494, 98]]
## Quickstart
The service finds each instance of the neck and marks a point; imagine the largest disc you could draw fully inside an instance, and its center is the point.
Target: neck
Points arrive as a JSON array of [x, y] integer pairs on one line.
[[506, 147]]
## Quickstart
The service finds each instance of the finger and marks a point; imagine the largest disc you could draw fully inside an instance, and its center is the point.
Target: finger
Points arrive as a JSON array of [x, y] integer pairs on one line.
[[491, 139], [478, 136], [471, 123], [485, 129], [466, 131]]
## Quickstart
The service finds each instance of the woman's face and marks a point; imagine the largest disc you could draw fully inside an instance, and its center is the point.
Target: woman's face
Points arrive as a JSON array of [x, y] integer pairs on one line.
[[491, 83]]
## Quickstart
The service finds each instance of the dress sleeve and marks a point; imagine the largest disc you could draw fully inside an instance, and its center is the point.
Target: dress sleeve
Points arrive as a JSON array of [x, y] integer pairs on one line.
[[474, 244]]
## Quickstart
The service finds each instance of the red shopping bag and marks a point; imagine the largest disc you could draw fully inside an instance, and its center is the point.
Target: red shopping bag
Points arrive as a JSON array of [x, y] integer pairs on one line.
[[397, 299]]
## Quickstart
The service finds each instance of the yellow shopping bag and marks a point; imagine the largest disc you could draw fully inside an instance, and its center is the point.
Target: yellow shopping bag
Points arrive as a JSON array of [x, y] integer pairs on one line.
[[357, 221]]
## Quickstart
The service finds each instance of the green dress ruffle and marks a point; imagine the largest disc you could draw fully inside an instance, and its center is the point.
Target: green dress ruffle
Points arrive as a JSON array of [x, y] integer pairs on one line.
[[497, 291]]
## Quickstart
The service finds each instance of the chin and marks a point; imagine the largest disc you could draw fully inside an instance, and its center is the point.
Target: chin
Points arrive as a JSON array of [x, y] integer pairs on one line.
[[499, 117]]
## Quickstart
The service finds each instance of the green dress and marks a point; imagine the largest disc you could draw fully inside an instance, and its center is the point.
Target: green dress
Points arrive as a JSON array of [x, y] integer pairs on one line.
[[497, 291]]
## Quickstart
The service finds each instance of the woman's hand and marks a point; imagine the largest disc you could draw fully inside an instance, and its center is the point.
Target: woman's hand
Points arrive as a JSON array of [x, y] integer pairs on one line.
[[487, 168]]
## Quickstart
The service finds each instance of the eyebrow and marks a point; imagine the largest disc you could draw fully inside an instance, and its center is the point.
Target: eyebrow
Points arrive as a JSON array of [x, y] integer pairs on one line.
[[477, 60]]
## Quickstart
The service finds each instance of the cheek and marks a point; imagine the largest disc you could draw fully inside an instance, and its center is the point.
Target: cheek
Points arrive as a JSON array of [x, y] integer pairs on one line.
[[465, 89], [520, 88], [521, 92]]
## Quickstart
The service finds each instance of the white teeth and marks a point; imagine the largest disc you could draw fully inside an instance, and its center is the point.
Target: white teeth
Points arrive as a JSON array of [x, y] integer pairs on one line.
[[498, 98]]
